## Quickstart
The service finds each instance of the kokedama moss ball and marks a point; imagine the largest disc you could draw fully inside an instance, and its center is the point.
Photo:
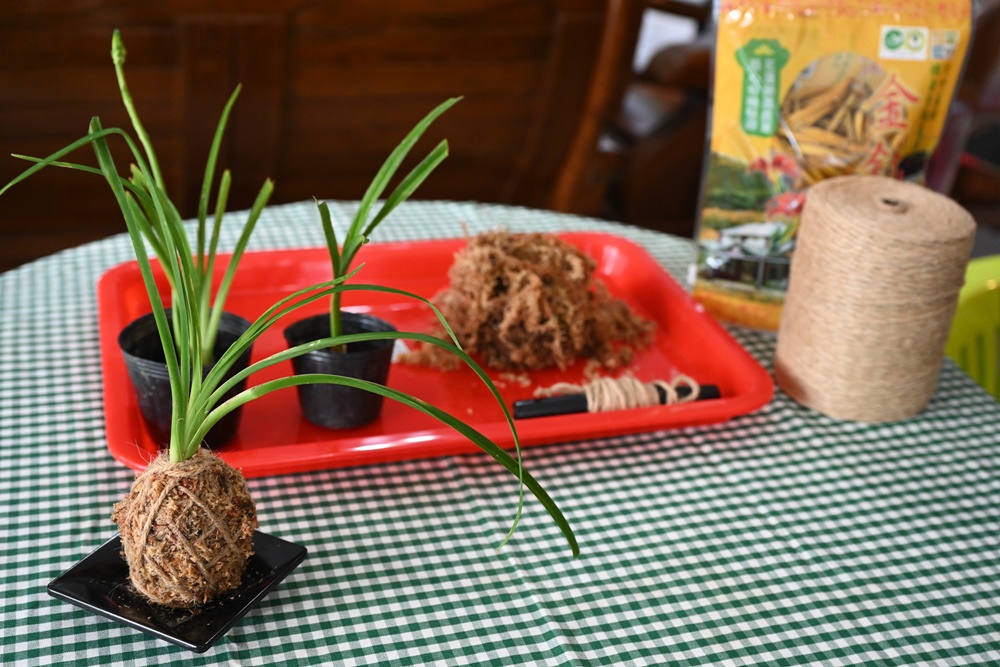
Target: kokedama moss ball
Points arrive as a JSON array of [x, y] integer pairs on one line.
[[186, 530]]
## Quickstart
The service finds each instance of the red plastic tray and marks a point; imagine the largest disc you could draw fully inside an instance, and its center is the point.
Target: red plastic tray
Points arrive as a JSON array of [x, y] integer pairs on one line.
[[274, 439]]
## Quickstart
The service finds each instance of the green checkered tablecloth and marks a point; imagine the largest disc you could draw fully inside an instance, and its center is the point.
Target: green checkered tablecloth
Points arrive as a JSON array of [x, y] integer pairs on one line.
[[781, 537]]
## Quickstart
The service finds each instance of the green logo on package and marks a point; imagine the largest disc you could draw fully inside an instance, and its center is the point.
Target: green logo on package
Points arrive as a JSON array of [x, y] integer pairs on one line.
[[915, 40], [893, 39], [762, 61]]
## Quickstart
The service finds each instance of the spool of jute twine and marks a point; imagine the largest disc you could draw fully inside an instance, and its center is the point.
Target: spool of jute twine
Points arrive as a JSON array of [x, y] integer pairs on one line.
[[874, 283]]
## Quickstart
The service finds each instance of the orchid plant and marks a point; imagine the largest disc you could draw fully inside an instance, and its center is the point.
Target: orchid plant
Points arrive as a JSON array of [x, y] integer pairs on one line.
[[198, 399], [361, 228], [160, 229]]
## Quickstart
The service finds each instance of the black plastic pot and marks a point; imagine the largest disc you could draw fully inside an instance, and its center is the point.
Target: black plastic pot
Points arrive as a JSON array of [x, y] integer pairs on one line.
[[147, 368], [336, 406]]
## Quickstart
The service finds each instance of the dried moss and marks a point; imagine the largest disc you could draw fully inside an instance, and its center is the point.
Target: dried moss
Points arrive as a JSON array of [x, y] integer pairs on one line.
[[526, 301]]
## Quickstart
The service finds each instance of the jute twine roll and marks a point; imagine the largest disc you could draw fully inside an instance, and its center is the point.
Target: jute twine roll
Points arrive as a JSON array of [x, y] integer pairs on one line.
[[874, 283]]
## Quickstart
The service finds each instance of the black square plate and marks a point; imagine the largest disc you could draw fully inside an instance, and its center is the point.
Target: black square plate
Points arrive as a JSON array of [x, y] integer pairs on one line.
[[99, 583]]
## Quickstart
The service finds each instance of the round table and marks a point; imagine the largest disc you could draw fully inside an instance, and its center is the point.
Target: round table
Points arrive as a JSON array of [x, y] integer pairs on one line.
[[778, 537]]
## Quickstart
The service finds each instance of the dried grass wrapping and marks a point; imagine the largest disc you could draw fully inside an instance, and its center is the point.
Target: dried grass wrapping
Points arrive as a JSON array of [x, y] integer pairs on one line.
[[525, 301], [186, 529]]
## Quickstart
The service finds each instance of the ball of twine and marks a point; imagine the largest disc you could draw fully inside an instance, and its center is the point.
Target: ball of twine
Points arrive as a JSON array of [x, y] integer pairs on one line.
[[186, 530], [874, 283], [606, 394]]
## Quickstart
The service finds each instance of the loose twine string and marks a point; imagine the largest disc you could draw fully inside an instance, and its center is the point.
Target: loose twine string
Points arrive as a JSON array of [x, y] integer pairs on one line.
[[873, 288], [608, 394]]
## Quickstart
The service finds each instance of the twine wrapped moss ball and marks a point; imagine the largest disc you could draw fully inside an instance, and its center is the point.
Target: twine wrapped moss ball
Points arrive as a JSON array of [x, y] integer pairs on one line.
[[873, 288], [186, 530]]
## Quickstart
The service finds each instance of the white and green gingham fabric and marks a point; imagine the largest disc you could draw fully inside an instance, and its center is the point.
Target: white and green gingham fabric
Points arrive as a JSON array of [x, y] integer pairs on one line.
[[777, 538]]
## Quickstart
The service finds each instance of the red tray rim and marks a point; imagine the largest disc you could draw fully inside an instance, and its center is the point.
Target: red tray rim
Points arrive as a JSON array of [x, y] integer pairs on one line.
[[756, 384]]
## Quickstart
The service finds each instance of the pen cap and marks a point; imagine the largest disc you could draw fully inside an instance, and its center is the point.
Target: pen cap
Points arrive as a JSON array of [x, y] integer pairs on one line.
[[872, 292]]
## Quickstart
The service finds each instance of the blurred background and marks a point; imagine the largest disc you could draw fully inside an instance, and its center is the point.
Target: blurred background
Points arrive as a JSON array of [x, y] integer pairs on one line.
[[596, 107]]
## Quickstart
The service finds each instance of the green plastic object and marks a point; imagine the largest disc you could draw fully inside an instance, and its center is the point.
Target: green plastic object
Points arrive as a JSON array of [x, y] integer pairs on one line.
[[975, 332]]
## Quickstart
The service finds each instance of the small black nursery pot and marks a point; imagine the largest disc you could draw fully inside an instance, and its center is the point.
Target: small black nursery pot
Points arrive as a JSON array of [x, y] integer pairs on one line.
[[147, 368], [336, 406]]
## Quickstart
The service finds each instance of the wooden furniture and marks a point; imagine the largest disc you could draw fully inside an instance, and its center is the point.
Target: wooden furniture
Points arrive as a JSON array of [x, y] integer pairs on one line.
[[637, 157], [662, 125], [582, 181], [328, 89], [975, 180]]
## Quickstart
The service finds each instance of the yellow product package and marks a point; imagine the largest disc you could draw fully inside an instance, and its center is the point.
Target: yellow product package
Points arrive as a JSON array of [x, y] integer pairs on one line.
[[803, 91]]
